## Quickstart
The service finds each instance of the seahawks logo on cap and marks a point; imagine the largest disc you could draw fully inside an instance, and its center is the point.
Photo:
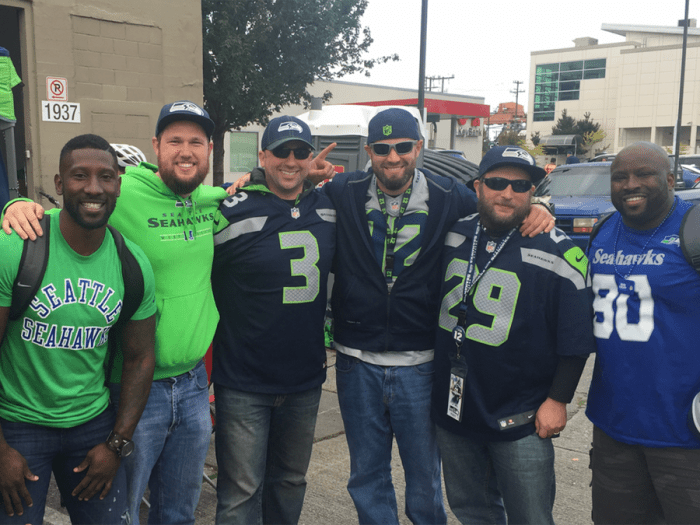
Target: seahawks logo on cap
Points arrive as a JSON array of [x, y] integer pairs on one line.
[[519, 154], [186, 106], [387, 130], [290, 126]]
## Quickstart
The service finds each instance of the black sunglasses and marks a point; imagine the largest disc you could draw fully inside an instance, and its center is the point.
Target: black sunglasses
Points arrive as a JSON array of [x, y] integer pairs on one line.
[[382, 149], [500, 184], [299, 153]]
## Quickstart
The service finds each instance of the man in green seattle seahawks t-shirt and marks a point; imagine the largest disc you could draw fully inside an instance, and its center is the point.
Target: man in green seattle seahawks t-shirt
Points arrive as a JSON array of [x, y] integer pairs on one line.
[[54, 403]]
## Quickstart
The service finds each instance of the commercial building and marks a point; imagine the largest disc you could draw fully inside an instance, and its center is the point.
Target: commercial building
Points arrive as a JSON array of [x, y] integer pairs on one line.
[[631, 88], [95, 66]]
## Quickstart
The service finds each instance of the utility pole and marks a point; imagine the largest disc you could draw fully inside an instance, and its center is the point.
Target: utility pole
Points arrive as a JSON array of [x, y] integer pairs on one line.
[[442, 79], [517, 91], [421, 67]]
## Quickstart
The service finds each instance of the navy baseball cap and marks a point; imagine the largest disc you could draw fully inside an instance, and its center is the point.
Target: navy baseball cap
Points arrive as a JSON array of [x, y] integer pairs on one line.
[[284, 129], [184, 110], [392, 123], [509, 156]]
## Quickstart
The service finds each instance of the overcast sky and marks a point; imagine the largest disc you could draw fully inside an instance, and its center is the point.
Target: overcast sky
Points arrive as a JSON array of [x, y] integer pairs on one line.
[[486, 44]]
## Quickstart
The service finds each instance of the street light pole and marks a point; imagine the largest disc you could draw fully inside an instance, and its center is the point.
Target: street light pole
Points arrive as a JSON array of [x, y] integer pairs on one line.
[[676, 141], [421, 72]]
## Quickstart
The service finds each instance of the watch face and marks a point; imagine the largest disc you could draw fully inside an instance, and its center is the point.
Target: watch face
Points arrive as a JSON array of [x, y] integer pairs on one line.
[[127, 449]]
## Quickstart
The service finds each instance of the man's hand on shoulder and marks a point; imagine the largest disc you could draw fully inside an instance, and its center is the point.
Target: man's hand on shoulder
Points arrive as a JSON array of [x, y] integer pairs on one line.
[[538, 220], [13, 471], [23, 217], [102, 465]]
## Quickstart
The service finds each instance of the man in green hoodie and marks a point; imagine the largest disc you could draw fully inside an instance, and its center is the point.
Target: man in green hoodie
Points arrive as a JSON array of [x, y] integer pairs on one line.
[[168, 213]]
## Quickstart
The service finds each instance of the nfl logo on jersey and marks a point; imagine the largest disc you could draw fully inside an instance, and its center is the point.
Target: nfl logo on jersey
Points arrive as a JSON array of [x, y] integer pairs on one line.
[[490, 246], [295, 213]]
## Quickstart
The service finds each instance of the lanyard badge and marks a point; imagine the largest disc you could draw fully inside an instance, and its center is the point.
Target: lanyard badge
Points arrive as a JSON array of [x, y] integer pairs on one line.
[[458, 372], [391, 232]]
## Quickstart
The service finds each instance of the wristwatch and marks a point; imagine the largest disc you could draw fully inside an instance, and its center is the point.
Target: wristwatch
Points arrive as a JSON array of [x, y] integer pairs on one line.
[[122, 446]]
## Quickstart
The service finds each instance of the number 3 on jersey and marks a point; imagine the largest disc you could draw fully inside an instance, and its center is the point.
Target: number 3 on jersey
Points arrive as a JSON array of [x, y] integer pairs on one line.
[[633, 319], [305, 267]]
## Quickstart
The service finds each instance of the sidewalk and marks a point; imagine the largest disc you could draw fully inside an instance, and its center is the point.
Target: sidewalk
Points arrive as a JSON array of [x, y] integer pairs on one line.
[[328, 502]]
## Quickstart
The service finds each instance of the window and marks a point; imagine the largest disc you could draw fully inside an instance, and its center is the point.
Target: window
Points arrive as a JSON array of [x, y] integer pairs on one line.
[[562, 81]]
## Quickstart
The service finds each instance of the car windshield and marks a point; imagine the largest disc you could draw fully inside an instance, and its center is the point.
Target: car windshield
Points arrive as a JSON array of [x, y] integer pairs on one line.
[[592, 180]]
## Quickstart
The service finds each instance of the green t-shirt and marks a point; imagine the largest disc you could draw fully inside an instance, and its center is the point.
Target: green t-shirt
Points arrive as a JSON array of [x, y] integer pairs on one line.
[[52, 358]]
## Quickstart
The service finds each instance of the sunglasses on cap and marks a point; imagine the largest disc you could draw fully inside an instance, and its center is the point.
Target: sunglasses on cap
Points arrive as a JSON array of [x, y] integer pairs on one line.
[[500, 184], [382, 149], [299, 153]]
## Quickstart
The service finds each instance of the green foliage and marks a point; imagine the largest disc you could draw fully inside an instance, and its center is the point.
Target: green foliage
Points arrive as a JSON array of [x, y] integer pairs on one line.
[[566, 125], [585, 128], [509, 137], [683, 149], [260, 55], [535, 138]]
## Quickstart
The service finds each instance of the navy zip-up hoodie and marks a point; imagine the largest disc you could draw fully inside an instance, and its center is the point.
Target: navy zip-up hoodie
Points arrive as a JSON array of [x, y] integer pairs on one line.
[[366, 316]]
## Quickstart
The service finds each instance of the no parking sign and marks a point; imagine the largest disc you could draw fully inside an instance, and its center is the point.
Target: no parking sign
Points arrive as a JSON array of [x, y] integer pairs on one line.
[[56, 89]]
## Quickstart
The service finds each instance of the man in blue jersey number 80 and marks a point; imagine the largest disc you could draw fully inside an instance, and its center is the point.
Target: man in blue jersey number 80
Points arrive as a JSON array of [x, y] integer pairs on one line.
[[646, 458]]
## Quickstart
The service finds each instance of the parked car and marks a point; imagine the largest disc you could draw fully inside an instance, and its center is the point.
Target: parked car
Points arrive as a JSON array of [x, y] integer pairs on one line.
[[580, 194]]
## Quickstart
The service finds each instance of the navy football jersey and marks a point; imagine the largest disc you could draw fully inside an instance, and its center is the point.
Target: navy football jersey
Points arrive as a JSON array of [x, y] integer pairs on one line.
[[271, 265], [647, 367], [531, 305]]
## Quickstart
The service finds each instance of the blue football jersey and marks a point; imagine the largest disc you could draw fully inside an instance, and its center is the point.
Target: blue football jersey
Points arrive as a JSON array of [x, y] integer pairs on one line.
[[647, 330], [530, 306], [270, 274]]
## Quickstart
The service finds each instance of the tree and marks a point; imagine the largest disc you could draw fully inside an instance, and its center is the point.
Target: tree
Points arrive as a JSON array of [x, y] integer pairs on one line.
[[260, 55], [509, 137], [566, 125], [535, 138], [588, 131]]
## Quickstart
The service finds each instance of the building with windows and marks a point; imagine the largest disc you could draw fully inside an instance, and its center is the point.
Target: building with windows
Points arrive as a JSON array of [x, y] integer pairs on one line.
[[631, 88]]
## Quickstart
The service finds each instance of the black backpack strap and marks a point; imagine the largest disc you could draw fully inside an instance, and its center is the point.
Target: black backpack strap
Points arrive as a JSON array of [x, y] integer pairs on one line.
[[690, 237], [32, 267], [596, 228], [133, 295]]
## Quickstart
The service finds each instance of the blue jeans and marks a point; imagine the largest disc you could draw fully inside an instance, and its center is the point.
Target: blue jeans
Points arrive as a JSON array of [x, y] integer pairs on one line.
[[489, 480], [171, 443], [263, 449], [378, 403], [60, 450]]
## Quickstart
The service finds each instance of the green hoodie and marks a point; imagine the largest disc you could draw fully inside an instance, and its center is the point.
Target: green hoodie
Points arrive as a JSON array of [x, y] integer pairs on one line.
[[176, 235]]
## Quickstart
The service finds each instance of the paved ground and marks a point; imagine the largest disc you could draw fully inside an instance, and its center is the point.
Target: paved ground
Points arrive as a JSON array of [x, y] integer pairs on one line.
[[328, 503]]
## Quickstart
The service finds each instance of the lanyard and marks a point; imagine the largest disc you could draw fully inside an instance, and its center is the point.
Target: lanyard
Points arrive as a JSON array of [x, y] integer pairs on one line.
[[470, 282], [391, 232]]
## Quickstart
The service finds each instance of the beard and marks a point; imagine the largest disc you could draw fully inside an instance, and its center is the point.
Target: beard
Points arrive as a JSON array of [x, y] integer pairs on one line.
[[73, 209], [179, 186], [495, 223], [395, 184]]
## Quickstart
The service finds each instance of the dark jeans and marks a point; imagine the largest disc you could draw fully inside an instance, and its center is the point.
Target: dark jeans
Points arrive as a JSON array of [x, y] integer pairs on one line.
[[640, 485], [60, 450], [263, 449]]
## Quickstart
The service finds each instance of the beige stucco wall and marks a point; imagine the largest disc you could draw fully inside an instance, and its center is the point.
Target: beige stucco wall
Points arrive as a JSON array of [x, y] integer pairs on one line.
[[638, 98], [122, 61]]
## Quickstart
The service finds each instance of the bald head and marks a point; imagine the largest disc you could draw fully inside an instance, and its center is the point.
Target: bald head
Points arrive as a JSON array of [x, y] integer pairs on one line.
[[647, 150], [641, 185]]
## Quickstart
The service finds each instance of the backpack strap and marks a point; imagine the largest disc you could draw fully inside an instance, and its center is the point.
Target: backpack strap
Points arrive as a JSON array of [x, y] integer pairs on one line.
[[32, 267], [690, 237], [596, 228], [133, 295]]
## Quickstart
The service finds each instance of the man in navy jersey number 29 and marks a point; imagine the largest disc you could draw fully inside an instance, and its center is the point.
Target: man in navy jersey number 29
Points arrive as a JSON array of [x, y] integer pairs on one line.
[[514, 333], [646, 458], [272, 255]]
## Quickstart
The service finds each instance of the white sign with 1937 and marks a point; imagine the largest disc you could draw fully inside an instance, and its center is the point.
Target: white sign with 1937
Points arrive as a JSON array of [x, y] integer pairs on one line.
[[60, 111]]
